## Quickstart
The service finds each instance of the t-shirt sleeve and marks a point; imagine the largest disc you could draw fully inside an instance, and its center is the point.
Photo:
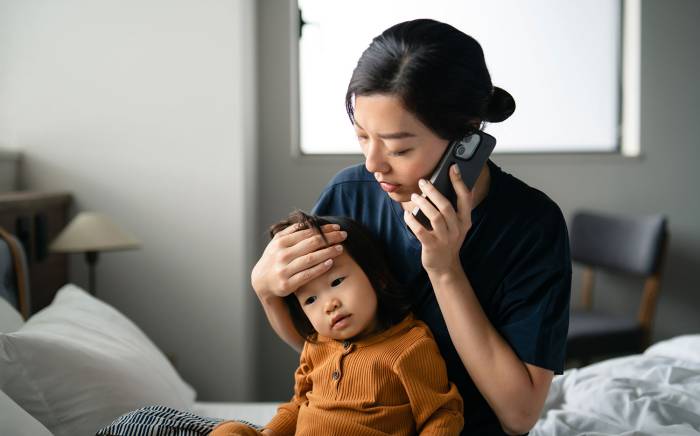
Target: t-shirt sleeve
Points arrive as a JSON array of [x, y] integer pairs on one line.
[[325, 203], [534, 312]]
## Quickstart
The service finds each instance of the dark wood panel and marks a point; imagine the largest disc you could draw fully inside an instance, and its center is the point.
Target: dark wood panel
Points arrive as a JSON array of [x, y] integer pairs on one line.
[[36, 218]]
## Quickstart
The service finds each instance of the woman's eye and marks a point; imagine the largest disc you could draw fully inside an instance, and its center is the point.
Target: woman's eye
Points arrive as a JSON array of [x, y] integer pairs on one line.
[[309, 300], [399, 153], [337, 281]]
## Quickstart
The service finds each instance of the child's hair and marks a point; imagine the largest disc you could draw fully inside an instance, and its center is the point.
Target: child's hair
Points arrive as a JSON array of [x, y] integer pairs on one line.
[[393, 300]]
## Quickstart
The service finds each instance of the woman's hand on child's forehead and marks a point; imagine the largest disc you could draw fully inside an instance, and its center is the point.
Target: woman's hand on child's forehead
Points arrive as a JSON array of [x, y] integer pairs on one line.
[[332, 234], [308, 232]]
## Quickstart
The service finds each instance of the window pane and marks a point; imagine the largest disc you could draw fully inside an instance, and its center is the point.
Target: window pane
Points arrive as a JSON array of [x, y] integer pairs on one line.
[[559, 59]]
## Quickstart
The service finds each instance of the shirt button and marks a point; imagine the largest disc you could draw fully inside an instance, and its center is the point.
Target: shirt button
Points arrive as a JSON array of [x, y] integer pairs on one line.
[[336, 375], [346, 344]]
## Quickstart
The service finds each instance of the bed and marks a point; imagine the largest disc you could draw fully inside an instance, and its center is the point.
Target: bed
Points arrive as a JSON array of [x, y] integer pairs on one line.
[[77, 365]]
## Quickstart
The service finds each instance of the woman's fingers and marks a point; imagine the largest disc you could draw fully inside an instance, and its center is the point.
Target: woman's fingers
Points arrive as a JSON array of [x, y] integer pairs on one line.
[[296, 247], [465, 197], [313, 242], [308, 257], [314, 258], [306, 275], [416, 227], [293, 234], [437, 209]]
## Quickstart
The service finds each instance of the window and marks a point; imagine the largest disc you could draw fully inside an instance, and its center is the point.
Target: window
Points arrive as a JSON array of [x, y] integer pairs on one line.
[[561, 60]]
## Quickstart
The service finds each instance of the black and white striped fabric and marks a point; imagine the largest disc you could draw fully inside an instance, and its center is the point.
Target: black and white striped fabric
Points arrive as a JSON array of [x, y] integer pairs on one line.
[[161, 421]]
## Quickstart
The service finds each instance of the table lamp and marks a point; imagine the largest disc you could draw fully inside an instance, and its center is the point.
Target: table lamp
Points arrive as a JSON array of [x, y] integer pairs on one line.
[[92, 232]]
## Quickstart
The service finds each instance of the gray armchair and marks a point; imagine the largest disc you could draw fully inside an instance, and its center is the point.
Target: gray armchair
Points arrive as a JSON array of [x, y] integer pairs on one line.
[[633, 245]]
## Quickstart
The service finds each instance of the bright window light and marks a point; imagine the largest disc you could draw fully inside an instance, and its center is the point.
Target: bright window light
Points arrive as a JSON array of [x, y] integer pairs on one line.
[[560, 59]]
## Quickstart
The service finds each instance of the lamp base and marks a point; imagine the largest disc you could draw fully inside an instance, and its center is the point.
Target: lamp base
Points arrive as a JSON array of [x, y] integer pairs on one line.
[[91, 258]]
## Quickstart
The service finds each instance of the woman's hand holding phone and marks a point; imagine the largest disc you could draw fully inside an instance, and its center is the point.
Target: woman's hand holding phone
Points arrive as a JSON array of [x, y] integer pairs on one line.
[[441, 245], [293, 258]]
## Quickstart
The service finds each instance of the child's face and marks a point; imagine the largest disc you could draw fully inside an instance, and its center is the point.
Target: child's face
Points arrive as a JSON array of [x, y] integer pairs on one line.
[[341, 304]]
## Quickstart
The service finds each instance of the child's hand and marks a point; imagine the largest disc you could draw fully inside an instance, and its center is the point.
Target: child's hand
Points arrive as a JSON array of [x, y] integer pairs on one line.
[[235, 428], [293, 258]]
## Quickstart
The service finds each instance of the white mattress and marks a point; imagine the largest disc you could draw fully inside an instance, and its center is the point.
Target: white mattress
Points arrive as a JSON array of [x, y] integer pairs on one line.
[[256, 413]]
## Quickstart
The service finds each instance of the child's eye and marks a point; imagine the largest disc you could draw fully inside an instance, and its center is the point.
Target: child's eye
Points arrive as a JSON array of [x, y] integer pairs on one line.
[[337, 281], [309, 300]]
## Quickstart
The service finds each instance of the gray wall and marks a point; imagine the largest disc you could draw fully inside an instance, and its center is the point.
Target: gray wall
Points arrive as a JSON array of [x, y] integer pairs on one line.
[[145, 110], [663, 179]]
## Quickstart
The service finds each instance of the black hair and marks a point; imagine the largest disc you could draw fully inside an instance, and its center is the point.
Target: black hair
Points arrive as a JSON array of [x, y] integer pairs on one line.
[[393, 301], [439, 74]]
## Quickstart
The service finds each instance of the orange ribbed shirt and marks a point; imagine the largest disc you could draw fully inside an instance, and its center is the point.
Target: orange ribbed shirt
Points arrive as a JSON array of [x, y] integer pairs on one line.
[[392, 383]]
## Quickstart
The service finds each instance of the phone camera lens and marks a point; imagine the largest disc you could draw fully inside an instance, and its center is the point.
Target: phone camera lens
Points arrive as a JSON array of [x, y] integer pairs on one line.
[[460, 150]]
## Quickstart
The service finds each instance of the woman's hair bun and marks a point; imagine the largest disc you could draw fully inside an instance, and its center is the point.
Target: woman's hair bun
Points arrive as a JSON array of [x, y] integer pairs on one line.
[[501, 106]]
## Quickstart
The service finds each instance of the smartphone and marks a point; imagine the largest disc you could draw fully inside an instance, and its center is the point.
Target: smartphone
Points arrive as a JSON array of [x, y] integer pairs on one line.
[[470, 153]]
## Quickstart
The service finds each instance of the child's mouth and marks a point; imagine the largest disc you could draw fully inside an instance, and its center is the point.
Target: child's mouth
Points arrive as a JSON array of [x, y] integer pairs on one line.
[[340, 321]]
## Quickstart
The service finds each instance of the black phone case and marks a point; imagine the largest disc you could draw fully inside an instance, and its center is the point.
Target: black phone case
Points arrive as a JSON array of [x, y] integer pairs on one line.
[[469, 167]]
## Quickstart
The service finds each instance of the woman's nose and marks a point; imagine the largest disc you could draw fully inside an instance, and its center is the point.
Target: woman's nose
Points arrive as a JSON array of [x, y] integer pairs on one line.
[[374, 158]]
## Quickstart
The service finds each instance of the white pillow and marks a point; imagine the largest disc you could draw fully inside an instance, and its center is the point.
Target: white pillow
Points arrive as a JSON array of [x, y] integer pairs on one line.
[[10, 319], [79, 363], [16, 422]]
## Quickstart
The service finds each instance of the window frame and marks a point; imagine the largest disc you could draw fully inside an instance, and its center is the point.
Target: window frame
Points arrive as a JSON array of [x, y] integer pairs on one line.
[[629, 104]]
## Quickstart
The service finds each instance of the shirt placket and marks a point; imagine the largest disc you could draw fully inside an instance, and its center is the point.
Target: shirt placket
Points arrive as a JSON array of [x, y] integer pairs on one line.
[[337, 374]]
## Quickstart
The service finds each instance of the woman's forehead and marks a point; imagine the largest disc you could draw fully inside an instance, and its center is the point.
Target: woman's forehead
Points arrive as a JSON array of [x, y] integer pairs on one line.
[[383, 114]]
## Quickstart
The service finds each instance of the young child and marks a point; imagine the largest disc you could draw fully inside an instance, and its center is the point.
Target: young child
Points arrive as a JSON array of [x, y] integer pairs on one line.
[[367, 367]]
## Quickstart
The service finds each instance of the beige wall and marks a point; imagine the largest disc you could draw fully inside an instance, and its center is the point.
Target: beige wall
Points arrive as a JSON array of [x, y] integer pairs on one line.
[[145, 110]]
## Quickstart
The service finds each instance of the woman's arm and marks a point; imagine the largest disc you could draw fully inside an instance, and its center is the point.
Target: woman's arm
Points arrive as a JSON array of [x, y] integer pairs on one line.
[[515, 390], [280, 320], [291, 259]]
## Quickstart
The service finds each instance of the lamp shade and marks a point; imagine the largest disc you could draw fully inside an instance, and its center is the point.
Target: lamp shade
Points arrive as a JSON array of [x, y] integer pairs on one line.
[[91, 231]]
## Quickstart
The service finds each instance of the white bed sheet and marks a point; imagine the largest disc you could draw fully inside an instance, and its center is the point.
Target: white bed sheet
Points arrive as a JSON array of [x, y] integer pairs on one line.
[[256, 413], [655, 393]]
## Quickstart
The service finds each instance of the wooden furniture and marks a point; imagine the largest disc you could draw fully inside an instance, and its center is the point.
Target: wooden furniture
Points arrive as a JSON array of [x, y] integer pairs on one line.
[[631, 245], [36, 218], [14, 273]]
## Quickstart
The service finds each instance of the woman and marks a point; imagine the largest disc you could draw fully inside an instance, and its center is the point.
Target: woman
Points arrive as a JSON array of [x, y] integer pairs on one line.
[[492, 278]]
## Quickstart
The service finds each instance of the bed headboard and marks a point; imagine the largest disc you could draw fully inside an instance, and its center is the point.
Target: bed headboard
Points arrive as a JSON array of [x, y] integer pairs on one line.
[[14, 273]]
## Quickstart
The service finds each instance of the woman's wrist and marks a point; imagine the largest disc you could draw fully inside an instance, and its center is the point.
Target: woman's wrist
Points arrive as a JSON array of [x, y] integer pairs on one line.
[[263, 293], [446, 274], [266, 296]]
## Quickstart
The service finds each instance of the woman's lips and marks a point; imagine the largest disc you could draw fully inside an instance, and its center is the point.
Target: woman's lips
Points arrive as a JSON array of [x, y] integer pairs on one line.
[[388, 187]]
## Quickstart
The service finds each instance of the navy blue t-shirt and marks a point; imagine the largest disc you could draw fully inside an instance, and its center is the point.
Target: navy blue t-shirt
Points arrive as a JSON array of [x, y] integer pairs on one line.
[[516, 257]]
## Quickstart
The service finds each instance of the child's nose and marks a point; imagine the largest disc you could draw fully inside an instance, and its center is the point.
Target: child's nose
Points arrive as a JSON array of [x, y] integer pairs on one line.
[[332, 305]]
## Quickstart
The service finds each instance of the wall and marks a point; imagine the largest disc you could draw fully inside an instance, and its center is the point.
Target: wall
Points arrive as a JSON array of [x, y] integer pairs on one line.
[[145, 110], [664, 179]]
